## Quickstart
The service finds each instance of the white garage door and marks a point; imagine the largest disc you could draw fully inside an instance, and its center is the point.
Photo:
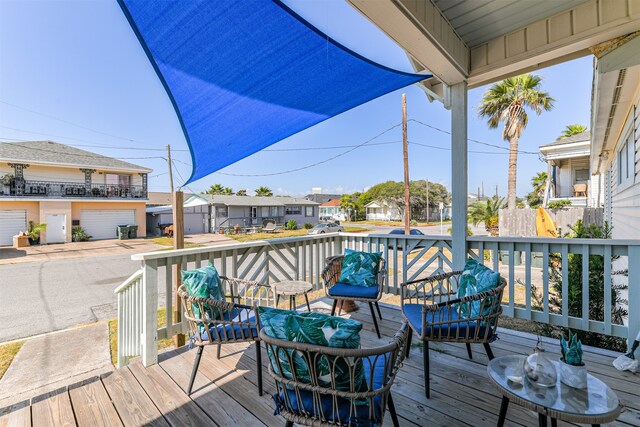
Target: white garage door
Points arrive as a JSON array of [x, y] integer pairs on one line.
[[194, 223], [102, 224], [11, 223]]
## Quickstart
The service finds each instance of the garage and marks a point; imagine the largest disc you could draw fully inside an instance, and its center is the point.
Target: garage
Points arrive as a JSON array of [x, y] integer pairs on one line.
[[13, 222], [194, 223], [102, 224]]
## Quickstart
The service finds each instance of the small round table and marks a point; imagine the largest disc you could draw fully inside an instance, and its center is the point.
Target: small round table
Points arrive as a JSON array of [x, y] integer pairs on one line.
[[292, 288], [593, 405]]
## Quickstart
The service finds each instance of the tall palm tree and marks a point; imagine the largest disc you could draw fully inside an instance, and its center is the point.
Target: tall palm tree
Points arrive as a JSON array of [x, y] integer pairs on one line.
[[264, 191], [571, 130], [218, 189], [507, 101], [539, 182], [487, 212], [241, 193]]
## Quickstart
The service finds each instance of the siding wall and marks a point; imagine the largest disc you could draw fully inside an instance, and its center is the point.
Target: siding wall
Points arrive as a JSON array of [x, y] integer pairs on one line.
[[625, 200]]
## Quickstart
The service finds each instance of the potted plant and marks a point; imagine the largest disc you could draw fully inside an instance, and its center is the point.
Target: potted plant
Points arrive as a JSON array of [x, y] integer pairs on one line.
[[571, 370], [6, 179], [34, 232]]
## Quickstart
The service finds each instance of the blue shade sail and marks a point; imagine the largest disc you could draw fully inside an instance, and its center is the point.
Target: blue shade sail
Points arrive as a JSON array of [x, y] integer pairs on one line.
[[243, 75]]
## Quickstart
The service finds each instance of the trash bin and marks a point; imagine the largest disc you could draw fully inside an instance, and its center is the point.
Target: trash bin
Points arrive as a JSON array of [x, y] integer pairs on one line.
[[133, 231], [536, 259], [123, 232], [517, 259]]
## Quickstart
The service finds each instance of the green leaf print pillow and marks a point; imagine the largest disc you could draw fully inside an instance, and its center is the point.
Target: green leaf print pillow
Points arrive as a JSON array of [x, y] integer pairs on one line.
[[360, 268], [476, 278], [203, 283], [319, 329]]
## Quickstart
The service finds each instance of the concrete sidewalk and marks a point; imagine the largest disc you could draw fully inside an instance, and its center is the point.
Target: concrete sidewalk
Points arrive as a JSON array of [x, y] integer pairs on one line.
[[97, 248], [56, 360]]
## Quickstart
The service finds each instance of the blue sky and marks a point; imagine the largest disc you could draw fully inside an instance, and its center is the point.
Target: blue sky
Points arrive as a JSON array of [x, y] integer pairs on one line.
[[73, 72]]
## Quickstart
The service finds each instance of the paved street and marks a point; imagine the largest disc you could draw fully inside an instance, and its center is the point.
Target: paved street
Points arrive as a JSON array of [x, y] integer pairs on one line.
[[47, 296]]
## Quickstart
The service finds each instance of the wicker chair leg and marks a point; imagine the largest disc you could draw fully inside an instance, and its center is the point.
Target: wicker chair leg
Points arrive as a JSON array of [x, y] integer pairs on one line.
[[392, 411], [375, 321], [259, 366], [340, 307], [333, 307], [425, 355], [378, 308], [194, 371], [469, 350], [288, 424], [218, 351], [487, 348], [409, 336]]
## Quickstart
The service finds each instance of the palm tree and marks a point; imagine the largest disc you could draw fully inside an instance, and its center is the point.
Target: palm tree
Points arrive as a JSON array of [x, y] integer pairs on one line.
[[264, 192], [539, 182], [487, 212], [571, 130], [506, 101], [241, 193]]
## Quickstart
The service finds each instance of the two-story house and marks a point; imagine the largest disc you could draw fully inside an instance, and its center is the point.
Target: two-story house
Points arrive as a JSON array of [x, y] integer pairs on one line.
[[63, 186]]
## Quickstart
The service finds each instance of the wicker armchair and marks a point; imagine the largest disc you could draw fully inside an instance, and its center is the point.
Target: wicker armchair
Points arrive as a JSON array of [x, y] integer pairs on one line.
[[434, 312], [318, 405], [233, 321], [342, 291]]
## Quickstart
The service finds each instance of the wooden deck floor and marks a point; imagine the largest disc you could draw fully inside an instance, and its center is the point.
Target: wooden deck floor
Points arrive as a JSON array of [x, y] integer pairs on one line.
[[225, 391]]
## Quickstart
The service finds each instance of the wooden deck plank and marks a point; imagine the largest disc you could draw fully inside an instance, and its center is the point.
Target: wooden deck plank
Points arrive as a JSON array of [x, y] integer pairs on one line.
[[17, 416], [174, 404], [206, 394], [233, 380], [53, 409], [130, 400], [92, 405]]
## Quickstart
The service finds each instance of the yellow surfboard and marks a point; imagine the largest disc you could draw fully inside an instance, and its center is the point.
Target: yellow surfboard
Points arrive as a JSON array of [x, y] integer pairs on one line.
[[545, 226]]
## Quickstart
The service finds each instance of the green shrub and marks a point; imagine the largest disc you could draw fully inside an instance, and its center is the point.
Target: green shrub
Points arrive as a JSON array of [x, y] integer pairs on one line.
[[79, 234], [291, 225], [559, 204], [308, 226]]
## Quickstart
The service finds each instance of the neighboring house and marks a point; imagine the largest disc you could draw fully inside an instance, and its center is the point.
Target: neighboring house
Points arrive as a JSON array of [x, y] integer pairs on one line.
[[197, 215], [331, 210], [569, 176], [382, 211], [156, 198], [615, 139], [322, 198], [208, 213], [63, 186]]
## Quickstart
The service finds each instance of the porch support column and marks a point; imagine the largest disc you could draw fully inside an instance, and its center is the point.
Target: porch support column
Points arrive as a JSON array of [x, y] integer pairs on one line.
[[459, 174], [18, 173], [144, 184], [87, 180]]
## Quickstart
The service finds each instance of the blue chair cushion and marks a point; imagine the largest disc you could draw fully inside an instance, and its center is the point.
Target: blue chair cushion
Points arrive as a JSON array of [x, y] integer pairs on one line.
[[413, 314], [346, 290], [361, 417], [240, 331], [360, 268]]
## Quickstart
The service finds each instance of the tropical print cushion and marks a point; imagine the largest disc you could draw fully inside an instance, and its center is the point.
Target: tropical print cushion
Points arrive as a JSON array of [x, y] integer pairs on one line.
[[314, 328], [360, 268], [203, 283], [476, 278]]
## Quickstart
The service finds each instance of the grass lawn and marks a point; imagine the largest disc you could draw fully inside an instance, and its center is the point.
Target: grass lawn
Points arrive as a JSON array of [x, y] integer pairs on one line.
[[284, 233], [7, 353], [113, 337], [168, 241], [394, 223]]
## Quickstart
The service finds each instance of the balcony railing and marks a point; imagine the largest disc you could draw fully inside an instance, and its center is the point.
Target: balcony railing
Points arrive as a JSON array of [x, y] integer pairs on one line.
[[537, 271], [53, 189]]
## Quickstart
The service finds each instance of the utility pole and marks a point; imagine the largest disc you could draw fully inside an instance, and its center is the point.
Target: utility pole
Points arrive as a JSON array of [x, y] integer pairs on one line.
[[427, 200], [177, 207], [405, 153]]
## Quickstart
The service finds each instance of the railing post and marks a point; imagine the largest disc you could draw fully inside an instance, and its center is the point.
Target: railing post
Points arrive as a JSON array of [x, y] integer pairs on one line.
[[150, 313], [634, 294]]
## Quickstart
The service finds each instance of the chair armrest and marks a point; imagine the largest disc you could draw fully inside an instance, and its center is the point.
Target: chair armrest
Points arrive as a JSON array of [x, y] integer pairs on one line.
[[249, 292], [430, 290], [332, 271]]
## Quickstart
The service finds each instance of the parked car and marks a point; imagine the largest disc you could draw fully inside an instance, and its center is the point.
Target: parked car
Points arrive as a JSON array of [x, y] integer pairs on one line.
[[326, 228], [412, 232]]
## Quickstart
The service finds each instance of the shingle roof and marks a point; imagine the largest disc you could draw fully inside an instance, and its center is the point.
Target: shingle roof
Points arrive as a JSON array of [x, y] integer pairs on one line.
[[579, 137], [56, 153], [256, 201]]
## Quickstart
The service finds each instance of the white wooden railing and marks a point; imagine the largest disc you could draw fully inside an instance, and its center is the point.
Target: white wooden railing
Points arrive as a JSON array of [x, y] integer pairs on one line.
[[302, 258], [130, 320]]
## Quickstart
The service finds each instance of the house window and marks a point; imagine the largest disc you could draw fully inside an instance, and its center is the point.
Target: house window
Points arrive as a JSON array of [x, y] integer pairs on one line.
[[626, 161], [294, 210], [308, 211], [581, 175], [117, 179], [274, 211], [222, 211]]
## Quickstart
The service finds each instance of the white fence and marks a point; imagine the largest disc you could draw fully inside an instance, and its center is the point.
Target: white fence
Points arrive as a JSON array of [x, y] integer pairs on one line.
[[408, 257]]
